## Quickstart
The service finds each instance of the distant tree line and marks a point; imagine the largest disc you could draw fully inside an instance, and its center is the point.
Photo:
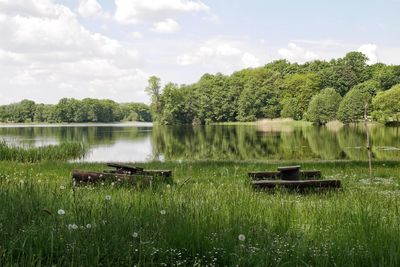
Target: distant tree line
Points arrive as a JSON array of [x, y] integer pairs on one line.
[[73, 110], [317, 91]]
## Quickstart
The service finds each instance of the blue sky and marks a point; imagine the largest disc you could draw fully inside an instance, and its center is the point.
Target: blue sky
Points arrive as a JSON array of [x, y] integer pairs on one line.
[[107, 49]]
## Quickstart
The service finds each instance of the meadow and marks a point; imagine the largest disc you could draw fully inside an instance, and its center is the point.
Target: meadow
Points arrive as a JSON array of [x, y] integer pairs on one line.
[[209, 216]]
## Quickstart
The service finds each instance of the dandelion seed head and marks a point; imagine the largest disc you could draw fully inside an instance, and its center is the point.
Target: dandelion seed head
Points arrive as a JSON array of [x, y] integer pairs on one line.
[[134, 235], [61, 212], [242, 237], [108, 197], [163, 212], [62, 187], [88, 226], [72, 226]]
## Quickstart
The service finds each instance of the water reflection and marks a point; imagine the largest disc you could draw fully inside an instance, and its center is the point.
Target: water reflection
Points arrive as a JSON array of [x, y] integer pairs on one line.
[[143, 142]]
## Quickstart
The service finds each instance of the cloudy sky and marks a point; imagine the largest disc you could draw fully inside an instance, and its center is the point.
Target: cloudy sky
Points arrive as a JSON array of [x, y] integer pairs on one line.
[[51, 49]]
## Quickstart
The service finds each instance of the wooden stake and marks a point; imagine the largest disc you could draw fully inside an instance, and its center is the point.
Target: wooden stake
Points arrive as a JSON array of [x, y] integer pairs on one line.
[[368, 141]]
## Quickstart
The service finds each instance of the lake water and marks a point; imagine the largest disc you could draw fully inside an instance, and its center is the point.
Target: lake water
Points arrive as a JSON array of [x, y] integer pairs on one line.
[[142, 142]]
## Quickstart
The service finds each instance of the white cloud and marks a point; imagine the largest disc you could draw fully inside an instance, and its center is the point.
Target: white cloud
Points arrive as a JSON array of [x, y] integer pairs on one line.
[[223, 55], [250, 61], [46, 54], [134, 11], [166, 26], [295, 53], [89, 8], [137, 35], [370, 51]]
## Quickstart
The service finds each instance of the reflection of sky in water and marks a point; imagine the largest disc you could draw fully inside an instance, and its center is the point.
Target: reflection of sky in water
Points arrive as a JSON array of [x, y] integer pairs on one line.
[[123, 151], [32, 142]]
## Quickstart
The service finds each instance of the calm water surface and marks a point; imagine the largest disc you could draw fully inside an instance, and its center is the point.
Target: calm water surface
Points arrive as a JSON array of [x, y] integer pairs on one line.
[[268, 141]]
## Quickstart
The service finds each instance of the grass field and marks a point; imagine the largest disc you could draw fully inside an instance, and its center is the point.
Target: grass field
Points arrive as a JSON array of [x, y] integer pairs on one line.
[[210, 216]]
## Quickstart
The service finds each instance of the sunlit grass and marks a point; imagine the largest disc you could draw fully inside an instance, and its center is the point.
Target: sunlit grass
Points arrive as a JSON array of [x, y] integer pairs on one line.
[[63, 151], [209, 216]]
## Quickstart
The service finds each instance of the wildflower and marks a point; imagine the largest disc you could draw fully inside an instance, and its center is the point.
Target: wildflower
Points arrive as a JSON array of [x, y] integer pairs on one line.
[[62, 187], [72, 226], [242, 237], [39, 181], [134, 235], [61, 212], [112, 184], [88, 226], [102, 183], [108, 197], [163, 212]]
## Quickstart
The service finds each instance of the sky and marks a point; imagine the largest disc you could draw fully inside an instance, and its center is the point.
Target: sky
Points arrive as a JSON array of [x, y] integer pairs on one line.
[[50, 49]]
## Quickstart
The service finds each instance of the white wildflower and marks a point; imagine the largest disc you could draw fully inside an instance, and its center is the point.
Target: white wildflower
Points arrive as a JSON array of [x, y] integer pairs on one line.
[[62, 187], [88, 226], [135, 235], [108, 197], [61, 212], [163, 212]]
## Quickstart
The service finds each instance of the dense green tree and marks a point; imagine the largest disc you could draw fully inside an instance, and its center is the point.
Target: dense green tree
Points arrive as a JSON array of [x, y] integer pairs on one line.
[[135, 112], [344, 73], [323, 106], [387, 105], [260, 97], [297, 90], [353, 105], [387, 76]]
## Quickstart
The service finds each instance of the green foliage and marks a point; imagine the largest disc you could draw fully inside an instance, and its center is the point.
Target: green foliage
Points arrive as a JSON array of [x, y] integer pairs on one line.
[[344, 73], [352, 107], [278, 89], [387, 105], [74, 111], [298, 89], [135, 112], [323, 106], [387, 76], [153, 89]]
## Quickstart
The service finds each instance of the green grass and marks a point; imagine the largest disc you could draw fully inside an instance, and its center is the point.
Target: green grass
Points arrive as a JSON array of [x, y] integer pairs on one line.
[[63, 151], [206, 209]]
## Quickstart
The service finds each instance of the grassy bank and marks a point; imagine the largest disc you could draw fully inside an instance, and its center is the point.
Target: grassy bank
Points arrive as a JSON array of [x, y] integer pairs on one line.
[[63, 151], [210, 216]]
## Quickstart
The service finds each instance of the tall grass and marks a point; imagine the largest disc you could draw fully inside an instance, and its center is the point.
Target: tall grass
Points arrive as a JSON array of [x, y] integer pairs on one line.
[[211, 216], [63, 151]]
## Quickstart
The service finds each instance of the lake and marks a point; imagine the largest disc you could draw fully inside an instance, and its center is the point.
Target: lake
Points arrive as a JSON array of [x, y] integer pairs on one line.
[[141, 142]]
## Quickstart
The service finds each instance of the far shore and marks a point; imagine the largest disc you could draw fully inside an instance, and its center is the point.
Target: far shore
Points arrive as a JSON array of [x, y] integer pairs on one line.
[[84, 124]]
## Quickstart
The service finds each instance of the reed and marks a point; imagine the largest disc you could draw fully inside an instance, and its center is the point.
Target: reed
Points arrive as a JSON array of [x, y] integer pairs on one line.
[[61, 152]]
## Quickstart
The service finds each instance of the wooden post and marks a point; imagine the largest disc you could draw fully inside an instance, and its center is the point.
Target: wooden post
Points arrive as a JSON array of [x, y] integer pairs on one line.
[[368, 141]]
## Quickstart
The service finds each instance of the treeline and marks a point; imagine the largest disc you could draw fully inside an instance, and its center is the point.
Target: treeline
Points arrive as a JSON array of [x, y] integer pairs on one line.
[[72, 110], [318, 91]]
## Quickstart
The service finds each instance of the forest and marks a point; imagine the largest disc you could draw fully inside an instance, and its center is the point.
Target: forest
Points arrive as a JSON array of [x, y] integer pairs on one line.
[[317, 91], [71, 110]]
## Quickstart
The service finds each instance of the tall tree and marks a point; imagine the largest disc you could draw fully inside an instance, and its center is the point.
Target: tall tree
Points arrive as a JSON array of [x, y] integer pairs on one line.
[[154, 90]]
